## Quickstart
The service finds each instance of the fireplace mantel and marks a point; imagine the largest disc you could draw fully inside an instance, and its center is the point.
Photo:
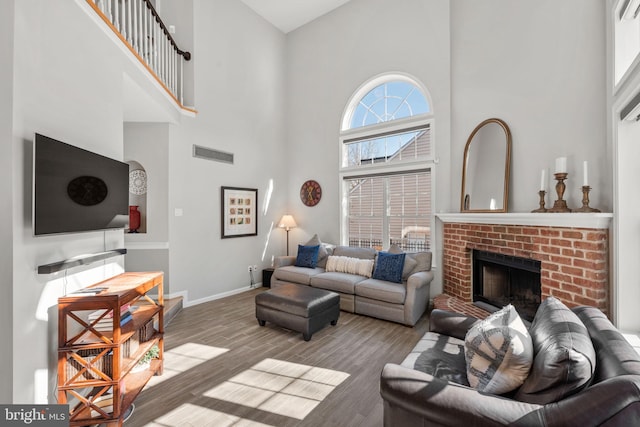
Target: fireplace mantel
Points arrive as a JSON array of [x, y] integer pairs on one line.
[[574, 220]]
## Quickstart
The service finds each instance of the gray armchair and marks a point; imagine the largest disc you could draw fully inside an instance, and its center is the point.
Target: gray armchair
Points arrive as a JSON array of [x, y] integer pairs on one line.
[[612, 398]]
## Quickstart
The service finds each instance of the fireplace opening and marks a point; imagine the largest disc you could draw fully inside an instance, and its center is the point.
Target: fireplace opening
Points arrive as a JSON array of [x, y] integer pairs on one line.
[[499, 280]]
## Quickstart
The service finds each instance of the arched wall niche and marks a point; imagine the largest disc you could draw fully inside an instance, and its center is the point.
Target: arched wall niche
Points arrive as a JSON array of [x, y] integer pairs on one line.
[[137, 197]]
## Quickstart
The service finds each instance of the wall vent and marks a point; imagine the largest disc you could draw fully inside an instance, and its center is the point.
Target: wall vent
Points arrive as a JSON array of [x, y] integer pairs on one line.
[[211, 154]]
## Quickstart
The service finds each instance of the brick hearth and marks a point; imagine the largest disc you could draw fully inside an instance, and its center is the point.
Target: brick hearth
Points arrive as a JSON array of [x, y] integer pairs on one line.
[[574, 261]]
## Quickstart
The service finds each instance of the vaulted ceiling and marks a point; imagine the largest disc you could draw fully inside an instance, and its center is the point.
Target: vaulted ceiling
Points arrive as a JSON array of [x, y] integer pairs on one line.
[[287, 15]]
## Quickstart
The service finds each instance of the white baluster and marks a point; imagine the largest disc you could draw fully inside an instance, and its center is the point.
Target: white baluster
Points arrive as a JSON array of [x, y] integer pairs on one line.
[[174, 68], [147, 51], [123, 18], [181, 79], [161, 53], [109, 15], [167, 62], [164, 57], [149, 36], [156, 43], [173, 71], [135, 36], [143, 31], [116, 21], [129, 23]]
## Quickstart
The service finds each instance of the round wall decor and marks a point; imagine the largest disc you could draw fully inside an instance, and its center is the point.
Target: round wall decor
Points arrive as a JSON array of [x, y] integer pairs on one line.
[[310, 193], [137, 182], [87, 190]]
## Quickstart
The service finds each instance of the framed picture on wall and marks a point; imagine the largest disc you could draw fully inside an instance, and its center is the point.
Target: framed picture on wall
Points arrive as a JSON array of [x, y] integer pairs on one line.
[[239, 212]]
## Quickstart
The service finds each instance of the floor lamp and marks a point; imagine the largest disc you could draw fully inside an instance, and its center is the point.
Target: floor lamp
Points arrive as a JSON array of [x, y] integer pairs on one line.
[[287, 222]]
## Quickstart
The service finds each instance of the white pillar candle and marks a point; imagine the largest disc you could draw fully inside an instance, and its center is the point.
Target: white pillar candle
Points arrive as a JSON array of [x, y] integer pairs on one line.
[[585, 180], [561, 165], [543, 180]]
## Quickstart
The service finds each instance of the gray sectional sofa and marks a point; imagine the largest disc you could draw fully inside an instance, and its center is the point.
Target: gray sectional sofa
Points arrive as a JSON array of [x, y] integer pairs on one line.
[[403, 302]]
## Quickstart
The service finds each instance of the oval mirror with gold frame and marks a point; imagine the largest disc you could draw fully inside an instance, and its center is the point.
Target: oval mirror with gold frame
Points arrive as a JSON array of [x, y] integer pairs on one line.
[[485, 168]]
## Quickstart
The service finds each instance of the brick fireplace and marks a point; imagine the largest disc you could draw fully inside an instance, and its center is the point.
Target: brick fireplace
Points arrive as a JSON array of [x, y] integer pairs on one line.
[[573, 250]]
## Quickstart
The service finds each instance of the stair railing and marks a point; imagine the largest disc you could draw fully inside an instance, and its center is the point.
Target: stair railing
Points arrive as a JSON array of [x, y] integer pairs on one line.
[[139, 26]]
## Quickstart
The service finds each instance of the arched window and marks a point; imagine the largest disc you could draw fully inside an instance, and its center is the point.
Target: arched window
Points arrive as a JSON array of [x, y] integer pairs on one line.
[[389, 101], [386, 165]]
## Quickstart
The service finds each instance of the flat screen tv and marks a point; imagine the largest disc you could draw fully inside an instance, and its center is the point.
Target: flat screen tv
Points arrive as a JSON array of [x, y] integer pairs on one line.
[[76, 190]]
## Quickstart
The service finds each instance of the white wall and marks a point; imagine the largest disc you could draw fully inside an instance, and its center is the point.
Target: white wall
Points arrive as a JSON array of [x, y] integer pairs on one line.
[[69, 88], [327, 61], [542, 70], [239, 78], [6, 194]]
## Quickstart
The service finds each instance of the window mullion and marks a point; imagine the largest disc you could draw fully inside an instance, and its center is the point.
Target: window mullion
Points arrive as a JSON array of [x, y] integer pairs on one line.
[[386, 198]]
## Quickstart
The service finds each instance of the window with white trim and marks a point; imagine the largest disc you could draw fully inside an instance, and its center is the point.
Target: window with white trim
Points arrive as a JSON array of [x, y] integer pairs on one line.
[[387, 165]]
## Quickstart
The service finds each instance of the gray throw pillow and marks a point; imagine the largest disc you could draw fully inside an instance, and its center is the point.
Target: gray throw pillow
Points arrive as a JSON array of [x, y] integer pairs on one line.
[[322, 250], [413, 262], [564, 358]]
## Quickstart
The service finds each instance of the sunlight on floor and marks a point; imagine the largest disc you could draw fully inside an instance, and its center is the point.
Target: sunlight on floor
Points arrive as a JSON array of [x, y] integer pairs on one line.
[[183, 358], [283, 388], [197, 416]]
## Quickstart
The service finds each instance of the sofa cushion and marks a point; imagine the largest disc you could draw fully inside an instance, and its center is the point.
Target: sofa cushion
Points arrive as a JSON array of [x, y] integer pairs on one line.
[[335, 281], [498, 352], [564, 357], [293, 274], [354, 252], [439, 355], [382, 290], [324, 250], [307, 256], [389, 267], [343, 264]]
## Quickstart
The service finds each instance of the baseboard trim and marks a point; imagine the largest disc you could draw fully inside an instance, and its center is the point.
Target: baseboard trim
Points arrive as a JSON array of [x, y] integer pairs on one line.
[[189, 303]]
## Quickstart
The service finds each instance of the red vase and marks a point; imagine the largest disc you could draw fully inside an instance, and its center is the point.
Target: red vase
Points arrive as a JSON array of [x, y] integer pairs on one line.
[[134, 219]]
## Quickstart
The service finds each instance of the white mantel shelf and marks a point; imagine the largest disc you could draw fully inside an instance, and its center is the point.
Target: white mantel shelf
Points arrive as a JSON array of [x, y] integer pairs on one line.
[[575, 220]]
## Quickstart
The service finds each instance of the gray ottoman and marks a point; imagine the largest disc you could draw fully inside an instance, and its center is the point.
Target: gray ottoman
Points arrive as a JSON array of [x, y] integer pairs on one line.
[[299, 308]]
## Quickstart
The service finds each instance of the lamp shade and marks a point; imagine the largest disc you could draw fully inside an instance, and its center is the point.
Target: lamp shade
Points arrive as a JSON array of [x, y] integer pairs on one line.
[[287, 222]]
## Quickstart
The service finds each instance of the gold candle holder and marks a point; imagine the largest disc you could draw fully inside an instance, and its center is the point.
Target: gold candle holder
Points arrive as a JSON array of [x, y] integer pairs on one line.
[[560, 205], [541, 193], [585, 201]]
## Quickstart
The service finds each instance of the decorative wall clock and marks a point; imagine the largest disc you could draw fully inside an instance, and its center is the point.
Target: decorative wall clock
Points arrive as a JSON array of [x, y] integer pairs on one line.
[[310, 193], [137, 182]]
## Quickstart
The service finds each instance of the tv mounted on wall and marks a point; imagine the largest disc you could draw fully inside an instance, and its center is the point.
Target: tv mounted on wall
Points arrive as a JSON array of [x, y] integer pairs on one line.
[[76, 190]]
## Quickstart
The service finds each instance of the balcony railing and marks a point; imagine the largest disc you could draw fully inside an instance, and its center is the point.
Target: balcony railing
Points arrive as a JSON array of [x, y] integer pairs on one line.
[[138, 25]]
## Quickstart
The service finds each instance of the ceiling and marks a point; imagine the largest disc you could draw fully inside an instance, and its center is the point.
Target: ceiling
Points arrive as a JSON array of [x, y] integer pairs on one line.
[[287, 15]]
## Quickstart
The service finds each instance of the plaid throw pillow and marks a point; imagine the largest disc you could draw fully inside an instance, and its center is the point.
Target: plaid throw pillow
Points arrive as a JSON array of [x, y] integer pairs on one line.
[[498, 352]]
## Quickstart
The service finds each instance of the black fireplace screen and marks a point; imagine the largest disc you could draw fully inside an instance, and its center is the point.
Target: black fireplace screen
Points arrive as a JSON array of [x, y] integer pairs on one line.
[[499, 280]]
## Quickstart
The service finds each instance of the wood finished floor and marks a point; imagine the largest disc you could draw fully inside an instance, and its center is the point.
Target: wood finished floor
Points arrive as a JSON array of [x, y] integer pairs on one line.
[[359, 346]]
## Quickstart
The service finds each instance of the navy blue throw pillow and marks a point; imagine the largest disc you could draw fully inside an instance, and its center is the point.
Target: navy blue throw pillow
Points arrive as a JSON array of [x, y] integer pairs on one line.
[[307, 256], [389, 267]]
